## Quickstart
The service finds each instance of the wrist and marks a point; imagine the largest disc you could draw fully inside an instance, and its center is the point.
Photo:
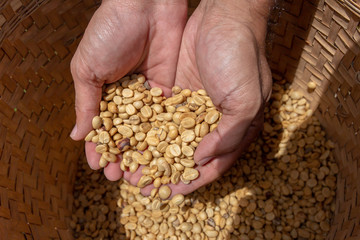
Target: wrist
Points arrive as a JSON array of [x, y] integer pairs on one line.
[[250, 13], [255, 8], [145, 4], [152, 10]]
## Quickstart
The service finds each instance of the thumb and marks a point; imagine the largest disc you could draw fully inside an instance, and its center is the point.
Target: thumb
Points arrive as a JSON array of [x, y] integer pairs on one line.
[[87, 98]]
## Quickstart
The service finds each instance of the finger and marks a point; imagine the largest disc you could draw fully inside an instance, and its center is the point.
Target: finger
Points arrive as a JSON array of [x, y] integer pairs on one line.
[[92, 156], [113, 172], [133, 178], [224, 139], [87, 98], [208, 173], [254, 129], [230, 135], [215, 167], [166, 89], [145, 191], [185, 72], [265, 78], [163, 53]]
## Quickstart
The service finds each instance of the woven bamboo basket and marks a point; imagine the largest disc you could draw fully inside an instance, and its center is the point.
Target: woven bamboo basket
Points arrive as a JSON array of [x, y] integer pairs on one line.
[[308, 40]]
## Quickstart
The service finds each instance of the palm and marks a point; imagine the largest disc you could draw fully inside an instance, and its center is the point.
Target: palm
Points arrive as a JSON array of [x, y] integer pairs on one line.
[[222, 59], [120, 39]]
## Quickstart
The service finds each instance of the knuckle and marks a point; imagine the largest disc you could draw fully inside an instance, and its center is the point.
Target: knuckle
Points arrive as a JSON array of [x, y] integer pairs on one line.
[[83, 72]]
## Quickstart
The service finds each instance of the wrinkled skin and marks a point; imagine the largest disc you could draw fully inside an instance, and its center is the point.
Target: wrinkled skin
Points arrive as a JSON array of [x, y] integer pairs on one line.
[[124, 36], [223, 55], [222, 51]]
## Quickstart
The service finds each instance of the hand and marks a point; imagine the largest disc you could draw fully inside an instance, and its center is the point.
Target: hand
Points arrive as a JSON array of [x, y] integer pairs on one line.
[[222, 51], [124, 36]]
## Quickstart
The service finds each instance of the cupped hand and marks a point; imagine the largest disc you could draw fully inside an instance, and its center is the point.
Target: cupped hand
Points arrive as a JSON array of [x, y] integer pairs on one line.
[[222, 51], [122, 37]]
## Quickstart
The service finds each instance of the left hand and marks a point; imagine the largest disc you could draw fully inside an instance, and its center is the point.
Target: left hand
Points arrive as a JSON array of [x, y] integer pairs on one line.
[[124, 36]]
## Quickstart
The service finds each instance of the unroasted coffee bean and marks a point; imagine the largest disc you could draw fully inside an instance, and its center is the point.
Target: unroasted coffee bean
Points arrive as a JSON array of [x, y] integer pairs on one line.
[[144, 181], [156, 92], [95, 206], [271, 199], [188, 136], [104, 137], [109, 156], [287, 194], [96, 122], [101, 148], [164, 192], [311, 85], [125, 131], [136, 117], [212, 116], [190, 174], [90, 136], [188, 122]]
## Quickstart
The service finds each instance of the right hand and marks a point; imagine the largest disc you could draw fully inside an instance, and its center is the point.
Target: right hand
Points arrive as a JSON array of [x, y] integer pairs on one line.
[[223, 52], [122, 37]]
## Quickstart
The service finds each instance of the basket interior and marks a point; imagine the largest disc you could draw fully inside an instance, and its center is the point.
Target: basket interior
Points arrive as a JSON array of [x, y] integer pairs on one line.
[[318, 41], [37, 158], [308, 41]]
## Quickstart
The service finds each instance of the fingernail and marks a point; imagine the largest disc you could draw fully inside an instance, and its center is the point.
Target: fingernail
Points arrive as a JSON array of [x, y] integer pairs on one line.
[[73, 132], [204, 161]]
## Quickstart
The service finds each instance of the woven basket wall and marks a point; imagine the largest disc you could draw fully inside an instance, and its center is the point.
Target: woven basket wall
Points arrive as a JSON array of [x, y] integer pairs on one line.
[[308, 40], [319, 41], [37, 158]]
